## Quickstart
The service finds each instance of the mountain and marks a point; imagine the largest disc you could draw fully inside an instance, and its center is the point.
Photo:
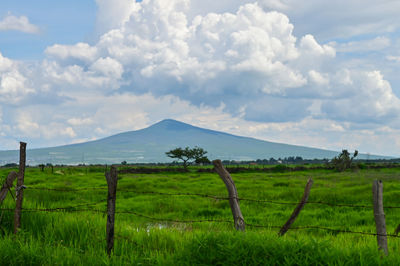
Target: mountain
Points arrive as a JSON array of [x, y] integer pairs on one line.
[[149, 145]]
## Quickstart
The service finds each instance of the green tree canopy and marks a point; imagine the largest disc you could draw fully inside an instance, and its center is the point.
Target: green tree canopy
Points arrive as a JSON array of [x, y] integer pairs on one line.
[[187, 155], [343, 161]]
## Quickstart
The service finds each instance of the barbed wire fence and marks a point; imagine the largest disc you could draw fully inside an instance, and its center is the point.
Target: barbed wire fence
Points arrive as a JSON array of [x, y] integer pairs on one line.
[[72, 209], [215, 197], [232, 198]]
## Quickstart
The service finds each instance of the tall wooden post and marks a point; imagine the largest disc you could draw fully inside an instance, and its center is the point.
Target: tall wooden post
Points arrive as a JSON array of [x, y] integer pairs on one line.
[[297, 210], [233, 195], [19, 190], [112, 180], [377, 193]]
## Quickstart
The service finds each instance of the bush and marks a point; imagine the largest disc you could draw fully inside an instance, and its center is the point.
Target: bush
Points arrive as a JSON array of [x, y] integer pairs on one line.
[[343, 161]]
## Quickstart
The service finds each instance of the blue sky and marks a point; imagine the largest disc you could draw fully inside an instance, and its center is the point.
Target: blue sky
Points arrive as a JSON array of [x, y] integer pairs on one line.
[[60, 21], [316, 73]]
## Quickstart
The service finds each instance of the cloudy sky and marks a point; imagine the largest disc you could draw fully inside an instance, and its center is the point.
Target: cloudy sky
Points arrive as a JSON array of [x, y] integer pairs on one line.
[[315, 73]]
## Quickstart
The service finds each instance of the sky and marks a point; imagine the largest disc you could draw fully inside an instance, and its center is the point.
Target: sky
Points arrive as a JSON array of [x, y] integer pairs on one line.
[[315, 73]]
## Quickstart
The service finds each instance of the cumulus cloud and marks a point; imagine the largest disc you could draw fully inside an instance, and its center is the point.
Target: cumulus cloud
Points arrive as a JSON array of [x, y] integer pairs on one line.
[[247, 53], [247, 58], [80, 51], [112, 14], [376, 44], [372, 100], [14, 86], [309, 45], [318, 78], [11, 22], [103, 74], [341, 18]]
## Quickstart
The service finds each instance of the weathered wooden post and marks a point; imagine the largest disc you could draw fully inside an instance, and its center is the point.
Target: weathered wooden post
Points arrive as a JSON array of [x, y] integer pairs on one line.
[[112, 180], [297, 210], [7, 185], [377, 193], [19, 190], [233, 195]]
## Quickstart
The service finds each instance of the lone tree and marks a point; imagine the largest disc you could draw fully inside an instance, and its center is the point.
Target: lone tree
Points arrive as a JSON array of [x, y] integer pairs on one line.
[[343, 161], [187, 155]]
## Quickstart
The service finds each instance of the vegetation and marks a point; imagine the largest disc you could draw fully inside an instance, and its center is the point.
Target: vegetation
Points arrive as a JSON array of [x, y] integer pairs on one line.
[[76, 236], [196, 154], [343, 161]]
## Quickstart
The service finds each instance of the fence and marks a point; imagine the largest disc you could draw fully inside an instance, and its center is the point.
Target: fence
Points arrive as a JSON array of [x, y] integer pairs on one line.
[[233, 198]]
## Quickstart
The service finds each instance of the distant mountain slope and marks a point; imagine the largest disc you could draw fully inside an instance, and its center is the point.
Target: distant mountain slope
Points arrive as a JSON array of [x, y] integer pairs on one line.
[[150, 144]]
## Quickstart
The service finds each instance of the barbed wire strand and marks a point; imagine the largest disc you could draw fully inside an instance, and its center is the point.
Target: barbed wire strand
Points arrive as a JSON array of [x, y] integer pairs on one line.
[[66, 189], [68, 209], [219, 197], [57, 209]]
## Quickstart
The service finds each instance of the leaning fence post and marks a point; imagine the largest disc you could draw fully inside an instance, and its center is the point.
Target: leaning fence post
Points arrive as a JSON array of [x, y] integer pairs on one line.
[[112, 179], [7, 185], [297, 210], [19, 192], [233, 195], [377, 193]]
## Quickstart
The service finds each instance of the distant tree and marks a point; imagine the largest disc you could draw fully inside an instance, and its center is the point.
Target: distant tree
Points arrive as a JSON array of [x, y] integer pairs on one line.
[[52, 167], [202, 160], [272, 161], [187, 155], [298, 159], [343, 161], [123, 163]]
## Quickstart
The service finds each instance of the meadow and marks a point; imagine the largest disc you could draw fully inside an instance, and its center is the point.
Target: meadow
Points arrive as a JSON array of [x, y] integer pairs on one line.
[[64, 221]]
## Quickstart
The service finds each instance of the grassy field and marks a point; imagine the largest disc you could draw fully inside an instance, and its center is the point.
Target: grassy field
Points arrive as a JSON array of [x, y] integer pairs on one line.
[[150, 234]]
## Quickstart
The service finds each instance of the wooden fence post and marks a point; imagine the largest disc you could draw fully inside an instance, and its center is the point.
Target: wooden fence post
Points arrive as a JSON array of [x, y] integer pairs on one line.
[[7, 185], [233, 195], [297, 210], [112, 180], [377, 193], [19, 189]]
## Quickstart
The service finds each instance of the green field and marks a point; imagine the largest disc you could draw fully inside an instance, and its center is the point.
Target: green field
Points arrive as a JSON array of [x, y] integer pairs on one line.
[[153, 231]]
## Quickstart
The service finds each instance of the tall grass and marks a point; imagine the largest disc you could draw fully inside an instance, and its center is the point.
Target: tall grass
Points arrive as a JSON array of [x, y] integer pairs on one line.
[[78, 238]]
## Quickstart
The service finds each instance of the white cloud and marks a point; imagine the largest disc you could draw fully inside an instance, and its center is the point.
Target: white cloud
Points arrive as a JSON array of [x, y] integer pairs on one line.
[[80, 51], [11, 22], [318, 78], [275, 4], [69, 132], [25, 124], [393, 58], [76, 121], [13, 84], [113, 14], [108, 67], [376, 44], [328, 20], [251, 45], [310, 46], [247, 58], [371, 100], [75, 77], [5, 63]]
